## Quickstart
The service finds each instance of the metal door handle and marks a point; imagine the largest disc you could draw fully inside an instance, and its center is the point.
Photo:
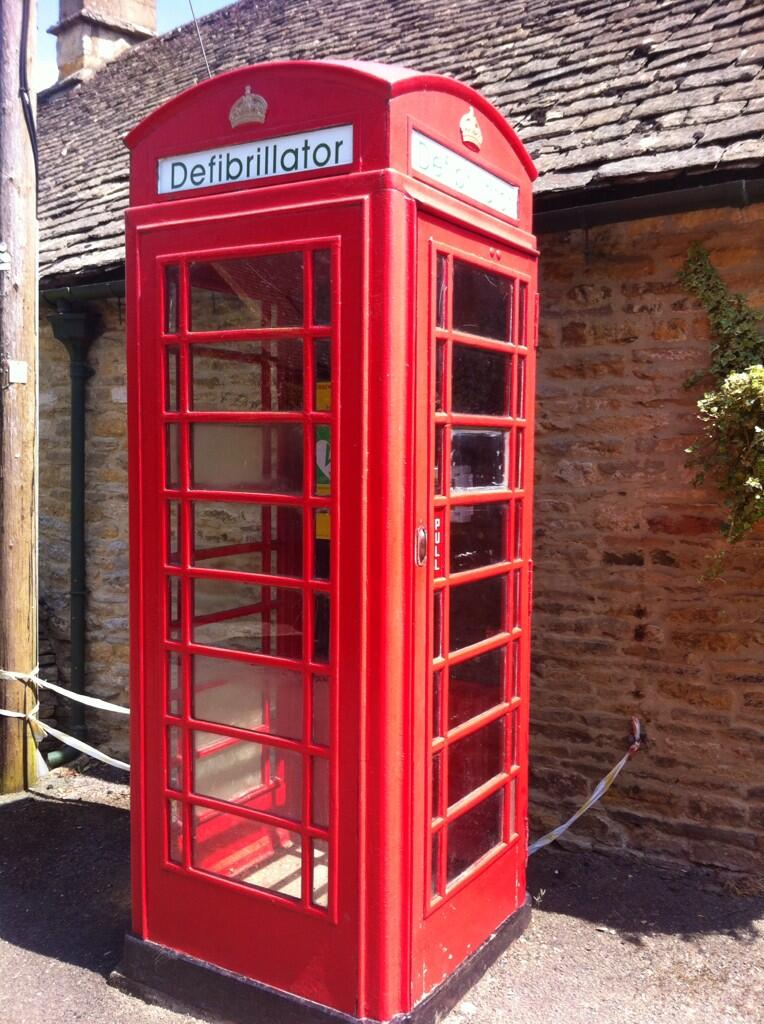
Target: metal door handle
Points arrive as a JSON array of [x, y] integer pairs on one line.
[[420, 545]]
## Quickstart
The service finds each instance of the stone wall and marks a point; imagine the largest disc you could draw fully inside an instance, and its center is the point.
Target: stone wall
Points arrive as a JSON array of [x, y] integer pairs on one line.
[[624, 622]]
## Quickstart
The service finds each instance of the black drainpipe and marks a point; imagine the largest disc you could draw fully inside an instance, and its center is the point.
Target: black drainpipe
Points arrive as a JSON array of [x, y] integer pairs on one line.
[[77, 327]]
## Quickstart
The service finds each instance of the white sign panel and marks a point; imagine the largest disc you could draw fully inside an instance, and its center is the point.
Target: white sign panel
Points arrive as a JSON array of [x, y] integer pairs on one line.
[[445, 167], [269, 158]]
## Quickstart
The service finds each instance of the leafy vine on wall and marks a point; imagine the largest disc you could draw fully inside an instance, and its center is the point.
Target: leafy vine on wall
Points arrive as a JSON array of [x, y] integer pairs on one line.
[[729, 450]]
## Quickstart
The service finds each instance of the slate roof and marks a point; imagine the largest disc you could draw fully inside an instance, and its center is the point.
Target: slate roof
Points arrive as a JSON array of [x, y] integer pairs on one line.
[[602, 92]]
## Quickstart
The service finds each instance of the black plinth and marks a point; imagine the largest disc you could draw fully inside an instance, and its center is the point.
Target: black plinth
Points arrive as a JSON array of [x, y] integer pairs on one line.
[[157, 974]]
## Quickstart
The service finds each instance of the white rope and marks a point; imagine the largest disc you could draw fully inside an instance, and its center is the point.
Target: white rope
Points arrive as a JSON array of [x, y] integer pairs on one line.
[[31, 717], [599, 791], [41, 729], [34, 679], [82, 698], [85, 748]]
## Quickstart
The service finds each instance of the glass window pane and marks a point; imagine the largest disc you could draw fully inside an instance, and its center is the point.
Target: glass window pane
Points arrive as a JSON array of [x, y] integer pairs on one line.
[[258, 457], [439, 477], [478, 535], [475, 759], [475, 686], [322, 291], [478, 459], [519, 481], [512, 725], [174, 608], [522, 315], [480, 381], [175, 831], [322, 524], [437, 805], [172, 370], [323, 483], [441, 293], [518, 542], [171, 282], [173, 533], [172, 455], [264, 698], [249, 774], [474, 834], [248, 537], [322, 370], [435, 863], [437, 703], [481, 301], [174, 684], [321, 627], [517, 598], [440, 361], [255, 292], [477, 611], [320, 888], [247, 617], [437, 624], [247, 376], [320, 793], [174, 758], [247, 851], [515, 670], [520, 388], [321, 731]]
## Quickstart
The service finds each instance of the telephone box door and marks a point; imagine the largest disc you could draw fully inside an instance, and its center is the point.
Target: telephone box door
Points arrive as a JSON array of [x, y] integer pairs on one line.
[[247, 349], [475, 353]]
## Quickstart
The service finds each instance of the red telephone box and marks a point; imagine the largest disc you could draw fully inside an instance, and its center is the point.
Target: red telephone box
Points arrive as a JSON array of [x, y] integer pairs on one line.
[[332, 322]]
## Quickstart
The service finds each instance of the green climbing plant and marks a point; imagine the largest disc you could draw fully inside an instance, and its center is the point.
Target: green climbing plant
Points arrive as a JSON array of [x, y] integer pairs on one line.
[[730, 448]]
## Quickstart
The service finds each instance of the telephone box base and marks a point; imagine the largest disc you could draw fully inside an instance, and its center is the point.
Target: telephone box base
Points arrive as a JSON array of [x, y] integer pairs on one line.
[[157, 974]]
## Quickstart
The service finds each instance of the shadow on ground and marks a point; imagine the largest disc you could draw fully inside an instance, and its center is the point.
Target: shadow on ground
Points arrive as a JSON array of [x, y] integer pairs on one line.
[[638, 899], [65, 879], [64, 885]]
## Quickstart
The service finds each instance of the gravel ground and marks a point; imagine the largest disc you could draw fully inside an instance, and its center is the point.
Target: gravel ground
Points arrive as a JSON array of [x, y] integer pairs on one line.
[[610, 941]]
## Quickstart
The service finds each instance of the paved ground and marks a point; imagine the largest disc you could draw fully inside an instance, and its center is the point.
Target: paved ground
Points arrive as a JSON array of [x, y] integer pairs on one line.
[[610, 943]]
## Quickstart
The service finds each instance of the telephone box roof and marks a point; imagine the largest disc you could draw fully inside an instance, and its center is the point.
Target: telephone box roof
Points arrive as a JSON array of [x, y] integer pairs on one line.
[[389, 81]]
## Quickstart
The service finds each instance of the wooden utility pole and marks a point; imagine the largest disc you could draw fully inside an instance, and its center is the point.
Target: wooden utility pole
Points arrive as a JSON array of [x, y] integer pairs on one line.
[[18, 393]]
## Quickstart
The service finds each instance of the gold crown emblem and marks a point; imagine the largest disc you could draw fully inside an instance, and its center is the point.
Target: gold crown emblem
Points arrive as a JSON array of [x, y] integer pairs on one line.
[[470, 129], [248, 109]]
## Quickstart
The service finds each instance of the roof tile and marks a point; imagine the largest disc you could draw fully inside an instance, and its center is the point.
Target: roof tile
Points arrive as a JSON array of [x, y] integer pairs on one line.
[[675, 100], [650, 165], [719, 76], [601, 91], [708, 113], [746, 149], [735, 128]]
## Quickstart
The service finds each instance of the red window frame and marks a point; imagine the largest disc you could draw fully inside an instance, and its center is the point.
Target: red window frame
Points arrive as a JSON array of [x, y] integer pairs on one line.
[[453, 920], [181, 342], [513, 570]]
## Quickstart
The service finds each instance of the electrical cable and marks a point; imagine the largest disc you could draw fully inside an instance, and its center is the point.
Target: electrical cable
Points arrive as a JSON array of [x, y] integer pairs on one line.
[[26, 99], [199, 36]]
